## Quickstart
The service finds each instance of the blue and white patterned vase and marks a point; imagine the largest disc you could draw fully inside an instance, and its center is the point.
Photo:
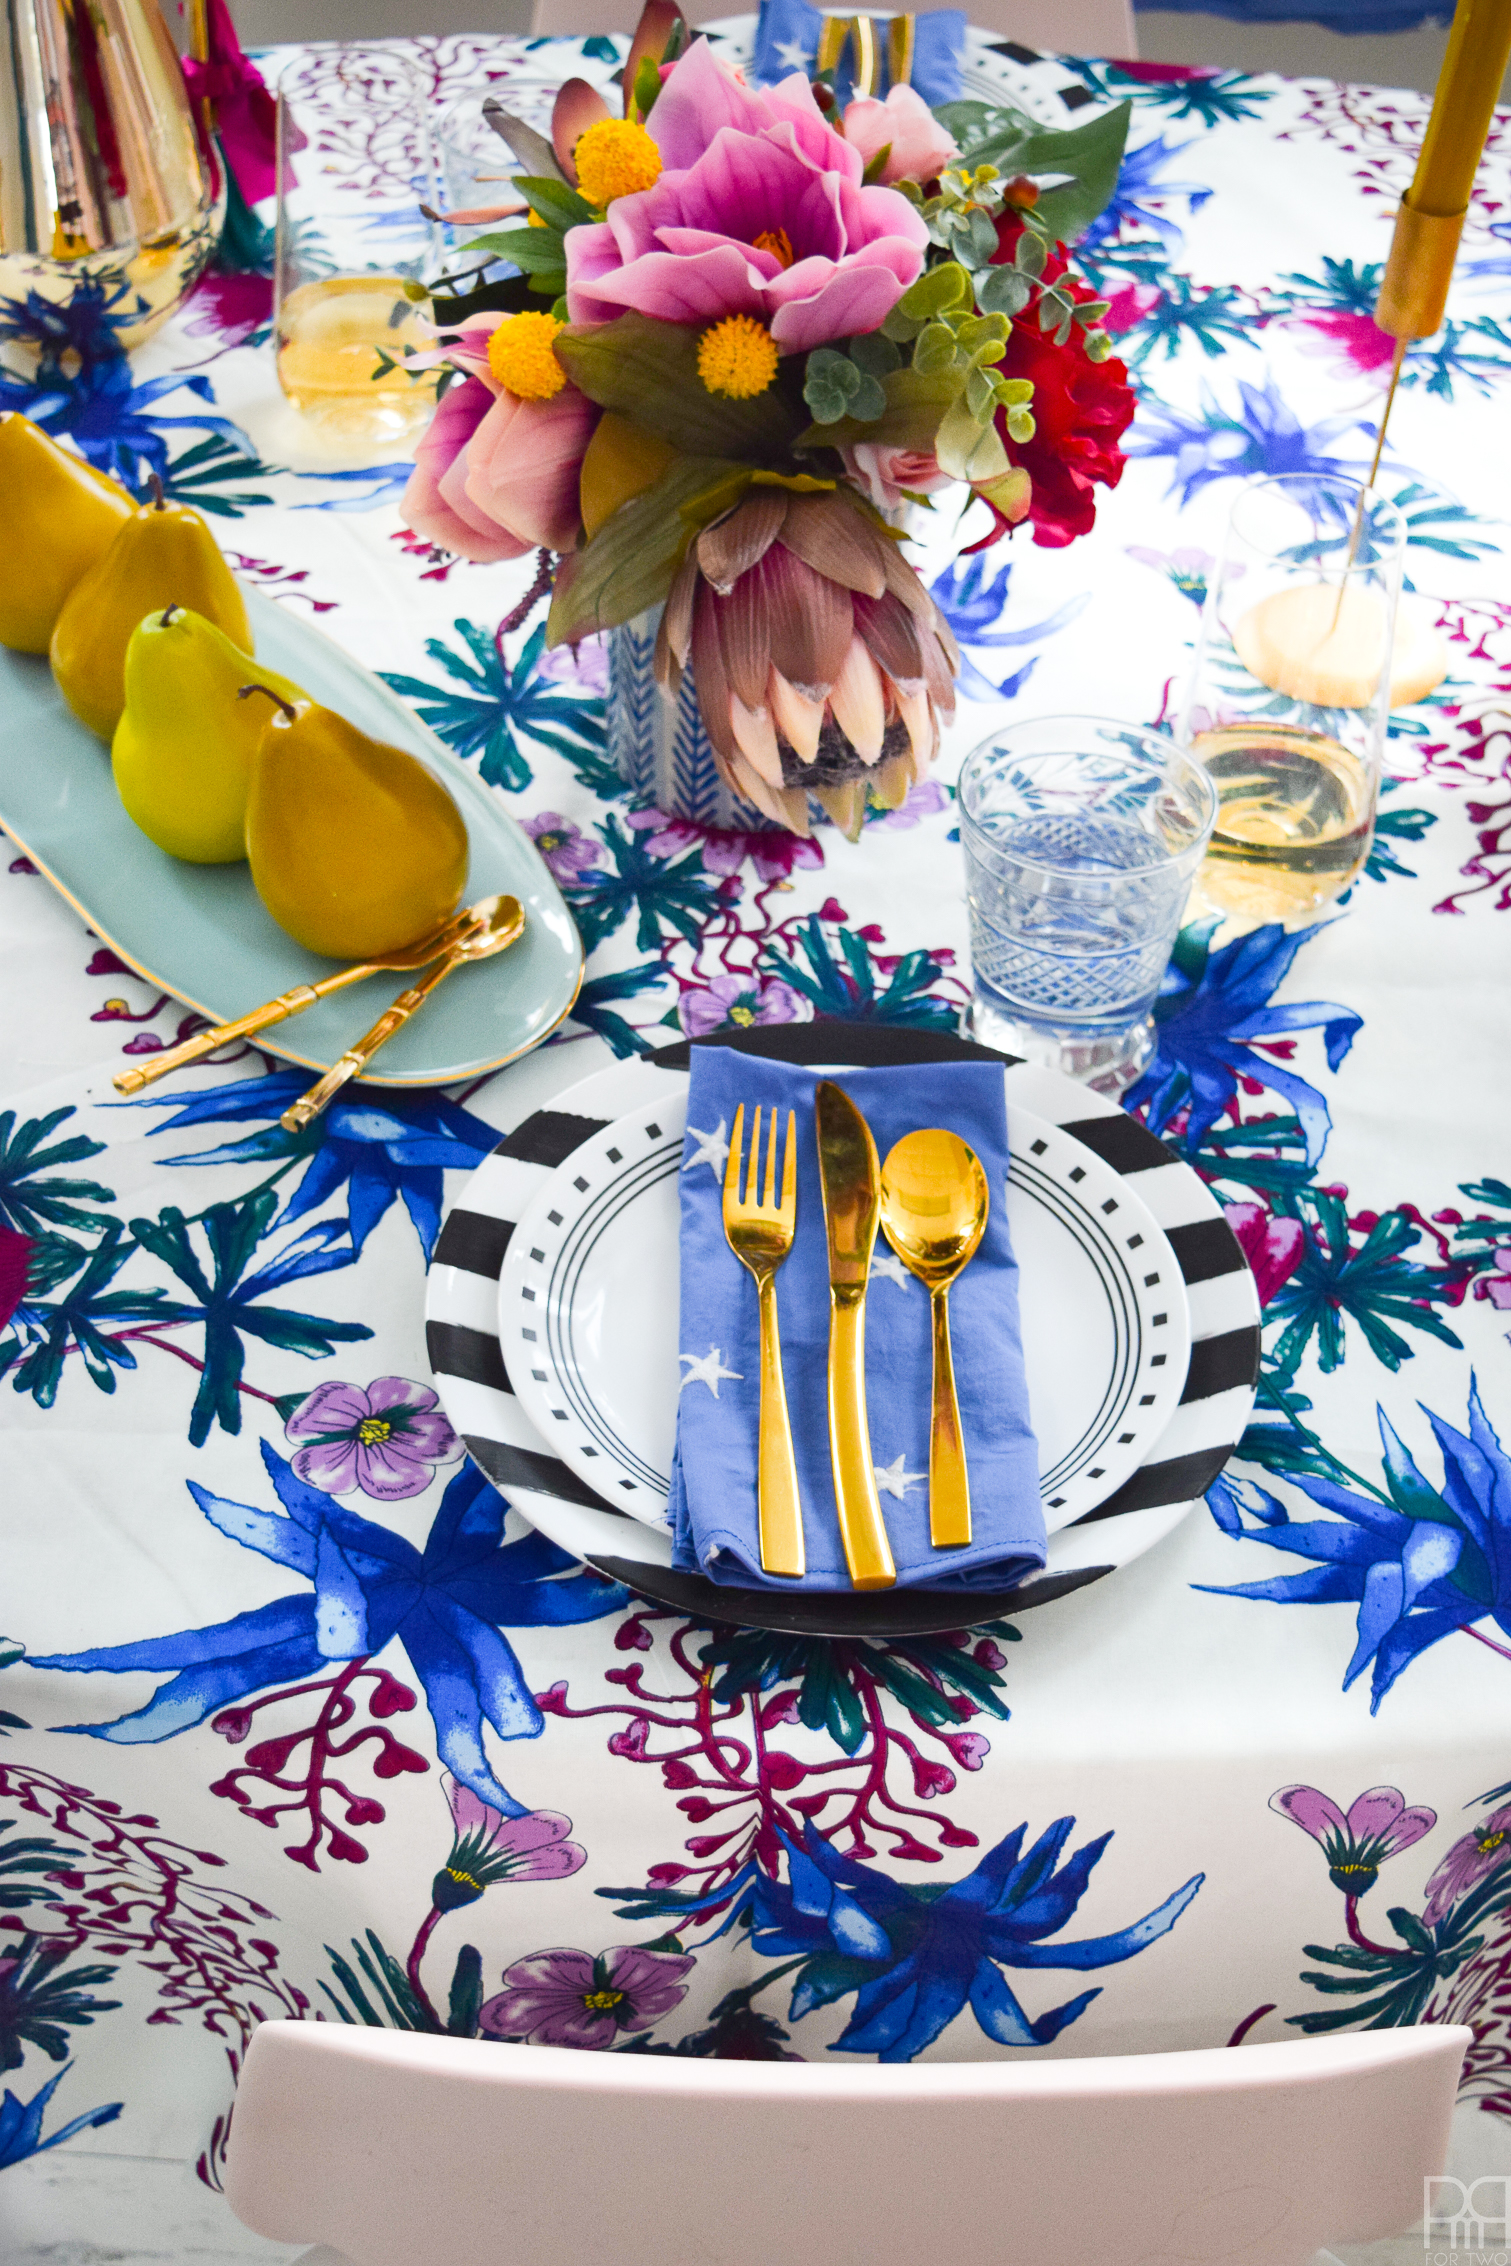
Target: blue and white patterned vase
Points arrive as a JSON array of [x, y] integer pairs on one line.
[[659, 745]]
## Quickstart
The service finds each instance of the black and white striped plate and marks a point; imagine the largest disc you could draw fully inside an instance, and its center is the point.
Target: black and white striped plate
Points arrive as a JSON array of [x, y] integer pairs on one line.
[[474, 1384], [588, 1306]]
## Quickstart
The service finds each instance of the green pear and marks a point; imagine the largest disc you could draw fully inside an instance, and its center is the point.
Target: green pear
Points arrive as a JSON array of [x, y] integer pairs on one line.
[[182, 751]]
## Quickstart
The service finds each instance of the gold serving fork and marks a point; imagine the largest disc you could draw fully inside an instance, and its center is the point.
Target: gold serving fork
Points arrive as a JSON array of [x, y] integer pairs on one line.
[[760, 1232]]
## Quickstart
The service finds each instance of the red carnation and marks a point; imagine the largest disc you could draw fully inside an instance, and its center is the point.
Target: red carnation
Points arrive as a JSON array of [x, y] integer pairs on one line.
[[1081, 410]]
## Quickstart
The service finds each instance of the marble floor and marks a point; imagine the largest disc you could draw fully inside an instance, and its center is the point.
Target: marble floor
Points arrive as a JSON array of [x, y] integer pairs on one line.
[[67, 2209]]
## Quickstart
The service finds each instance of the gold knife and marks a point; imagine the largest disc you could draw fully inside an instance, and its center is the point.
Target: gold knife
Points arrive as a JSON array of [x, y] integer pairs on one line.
[[850, 1175]]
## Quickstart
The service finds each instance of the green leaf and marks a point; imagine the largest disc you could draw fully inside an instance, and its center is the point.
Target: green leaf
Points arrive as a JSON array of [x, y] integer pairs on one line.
[[631, 561], [916, 401], [980, 235], [935, 290], [538, 251], [877, 166], [869, 400], [935, 350], [466, 1993], [559, 207], [980, 396], [1083, 161], [1029, 253], [968, 449], [647, 85], [874, 354], [648, 372], [1002, 291]]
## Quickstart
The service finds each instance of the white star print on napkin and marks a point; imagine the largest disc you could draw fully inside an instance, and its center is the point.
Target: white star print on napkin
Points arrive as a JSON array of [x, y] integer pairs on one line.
[[707, 1369], [895, 1478], [712, 1149]]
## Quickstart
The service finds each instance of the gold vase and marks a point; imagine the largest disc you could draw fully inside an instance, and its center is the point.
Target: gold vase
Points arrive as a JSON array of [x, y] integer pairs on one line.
[[102, 175]]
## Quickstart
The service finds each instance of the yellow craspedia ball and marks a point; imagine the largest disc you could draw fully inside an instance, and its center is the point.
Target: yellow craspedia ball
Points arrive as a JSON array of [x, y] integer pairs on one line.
[[523, 359], [615, 158], [738, 357]]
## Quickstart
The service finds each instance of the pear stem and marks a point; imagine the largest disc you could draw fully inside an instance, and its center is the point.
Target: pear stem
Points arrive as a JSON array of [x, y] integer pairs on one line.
[[159, 500], [169, 615], [289, 710]]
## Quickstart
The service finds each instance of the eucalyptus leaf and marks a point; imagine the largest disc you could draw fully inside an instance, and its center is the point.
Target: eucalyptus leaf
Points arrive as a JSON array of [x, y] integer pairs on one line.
[[981, 233], [632, 560], [1063, 331], [1029, 253], [967, 449], [936, 289], [1020, 426], [1002, 291], [559, 207], [934, 351], [648, 372], [980, 398], [533, 150], [915, 404], [869, 400]]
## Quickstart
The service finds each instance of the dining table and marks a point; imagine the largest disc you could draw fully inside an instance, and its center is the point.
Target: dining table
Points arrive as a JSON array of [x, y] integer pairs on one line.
[[1248, 1779]]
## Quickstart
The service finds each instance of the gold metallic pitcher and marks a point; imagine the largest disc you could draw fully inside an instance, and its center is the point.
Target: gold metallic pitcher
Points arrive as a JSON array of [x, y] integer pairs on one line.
[[101, 171]]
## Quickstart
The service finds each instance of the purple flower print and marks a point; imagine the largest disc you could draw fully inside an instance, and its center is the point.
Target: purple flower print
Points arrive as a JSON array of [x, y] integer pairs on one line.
[[1497, 1287], [488, 1847], [565, 848], [585, 664], [773, 855], [565, 1998], [1467, 1863], [921, 801], [1187, 569], [1378, 1825], [386, 1440], [742, 1000]]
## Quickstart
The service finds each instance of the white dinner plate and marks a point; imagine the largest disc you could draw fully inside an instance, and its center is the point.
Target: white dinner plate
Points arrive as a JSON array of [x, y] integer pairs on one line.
[[588, 1308], [480, 1397]]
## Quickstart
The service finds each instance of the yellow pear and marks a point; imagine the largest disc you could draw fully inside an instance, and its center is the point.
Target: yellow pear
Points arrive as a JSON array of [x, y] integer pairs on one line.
[[163, 556], [60, 516], [355, 847], [182, 752]]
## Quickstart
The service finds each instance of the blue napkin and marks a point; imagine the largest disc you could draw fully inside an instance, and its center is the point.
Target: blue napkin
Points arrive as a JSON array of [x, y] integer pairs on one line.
[[713, 1509], [787, 41]]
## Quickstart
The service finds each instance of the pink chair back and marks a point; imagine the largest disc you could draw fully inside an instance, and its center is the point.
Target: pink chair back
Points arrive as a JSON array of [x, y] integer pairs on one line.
[[404, 2150], [1067, 27]]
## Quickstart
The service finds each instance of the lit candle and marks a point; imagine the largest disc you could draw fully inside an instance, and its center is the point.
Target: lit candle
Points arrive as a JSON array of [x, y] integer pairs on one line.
[[1316, 644]]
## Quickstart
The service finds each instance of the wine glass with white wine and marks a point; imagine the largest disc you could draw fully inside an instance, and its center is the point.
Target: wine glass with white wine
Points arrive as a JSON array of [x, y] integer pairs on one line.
[[355, 252], [1300, 659]]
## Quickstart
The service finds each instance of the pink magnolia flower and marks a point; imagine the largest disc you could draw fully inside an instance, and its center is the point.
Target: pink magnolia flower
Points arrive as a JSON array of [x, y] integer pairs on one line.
[[487, 1848], [435, 503], [565, 1998], [760, 211], [386, 1440], [742, 1000], [885, 473], [920, 149], [565, 848], [1272, 1246], [523, 465], [1467, 1863], [1378, 1825]]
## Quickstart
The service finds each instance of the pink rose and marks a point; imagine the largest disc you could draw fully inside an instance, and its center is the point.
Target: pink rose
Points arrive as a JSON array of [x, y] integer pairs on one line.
[[435, 503], [920, 147], [523, 464], [885, 472]]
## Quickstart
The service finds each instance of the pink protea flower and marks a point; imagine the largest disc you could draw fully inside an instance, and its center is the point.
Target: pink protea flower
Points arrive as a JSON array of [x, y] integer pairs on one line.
[[822, 664], [487, 1848], [1272, 1246], [917, 146], [565, 848], [760, 211], [566, 1998], [386, 1440], [740, 1000], [1378, 1825], [1467, 1863]]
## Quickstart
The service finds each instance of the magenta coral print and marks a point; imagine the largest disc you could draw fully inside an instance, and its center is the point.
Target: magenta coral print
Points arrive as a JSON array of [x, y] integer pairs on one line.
[[566, 1998], [387, 1441]]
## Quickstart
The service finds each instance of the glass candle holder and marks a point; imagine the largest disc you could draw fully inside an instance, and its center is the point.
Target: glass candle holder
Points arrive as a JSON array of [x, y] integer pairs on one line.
[[1290, 693], [1081, 839], [355, 252]]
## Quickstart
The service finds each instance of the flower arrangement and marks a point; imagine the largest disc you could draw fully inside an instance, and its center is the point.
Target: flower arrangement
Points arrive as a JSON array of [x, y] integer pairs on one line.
[[746, 331]]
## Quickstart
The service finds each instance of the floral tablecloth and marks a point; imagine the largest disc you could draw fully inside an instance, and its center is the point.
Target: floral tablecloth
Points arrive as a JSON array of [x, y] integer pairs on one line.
[[297, 1719]]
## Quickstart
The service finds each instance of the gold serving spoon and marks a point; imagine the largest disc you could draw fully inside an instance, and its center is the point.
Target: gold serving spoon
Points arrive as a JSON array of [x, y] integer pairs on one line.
[[410, 957], [498, 922], [934, 1203]]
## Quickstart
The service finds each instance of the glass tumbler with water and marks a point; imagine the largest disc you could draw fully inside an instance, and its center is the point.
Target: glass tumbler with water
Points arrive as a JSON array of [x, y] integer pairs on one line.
[[1081, 837]]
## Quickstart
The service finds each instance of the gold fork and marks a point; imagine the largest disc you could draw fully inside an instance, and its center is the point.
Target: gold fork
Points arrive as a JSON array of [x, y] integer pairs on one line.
[[760, 1232]]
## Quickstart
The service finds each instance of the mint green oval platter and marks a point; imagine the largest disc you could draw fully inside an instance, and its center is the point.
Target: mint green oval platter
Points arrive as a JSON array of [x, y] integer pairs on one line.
[[200, 932]]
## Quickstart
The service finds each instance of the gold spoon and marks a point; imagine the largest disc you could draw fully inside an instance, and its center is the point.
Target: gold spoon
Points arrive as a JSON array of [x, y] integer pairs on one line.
[[498, 921], [934, 1202], [294, 1002]]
